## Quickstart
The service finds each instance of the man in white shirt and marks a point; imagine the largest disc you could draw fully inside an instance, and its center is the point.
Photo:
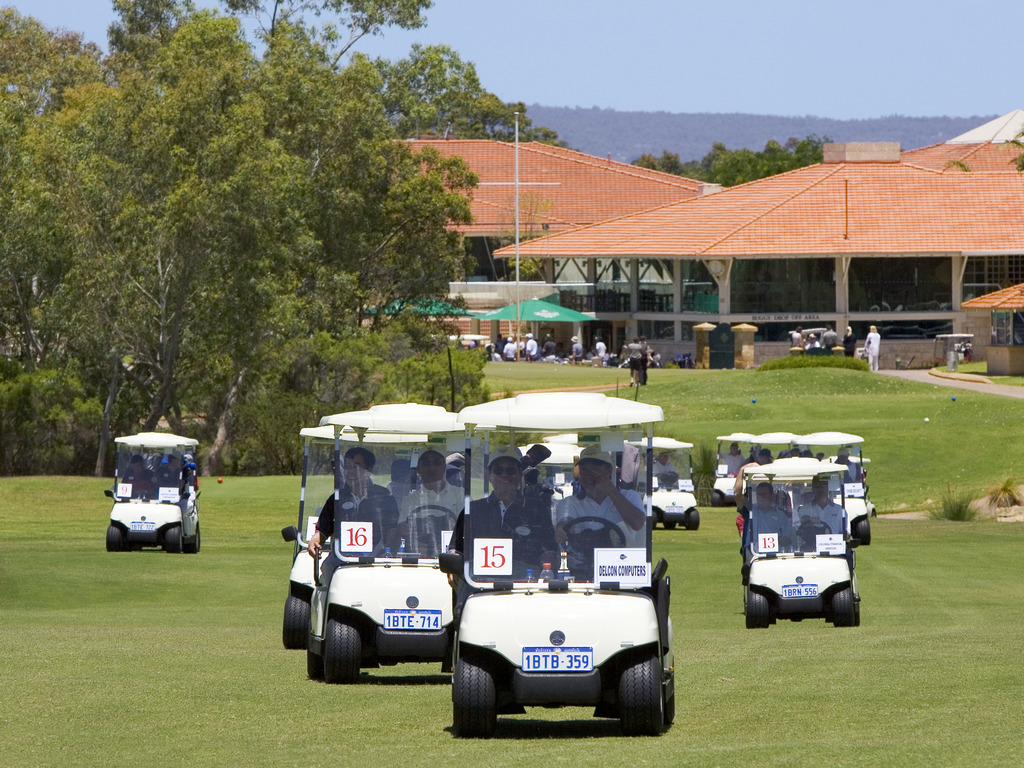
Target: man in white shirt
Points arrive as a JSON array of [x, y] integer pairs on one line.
[[531, 348], [428, 510], [600, 350], [602, 499], [872, 347], [821, 513]]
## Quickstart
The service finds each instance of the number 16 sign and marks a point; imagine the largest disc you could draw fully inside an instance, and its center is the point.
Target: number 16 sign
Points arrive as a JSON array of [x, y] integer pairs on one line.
[[357, 537]]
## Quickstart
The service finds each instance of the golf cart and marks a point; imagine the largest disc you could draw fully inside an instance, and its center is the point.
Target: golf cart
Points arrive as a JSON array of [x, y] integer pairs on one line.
[[843, 448], [672, 485], [380, 598], [317, 485], [155, 494], [593, 628], [748, 448], [797, 557]]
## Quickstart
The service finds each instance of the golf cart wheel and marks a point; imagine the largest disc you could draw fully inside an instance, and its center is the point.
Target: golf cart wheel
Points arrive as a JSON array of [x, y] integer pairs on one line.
[[669, 526], [717, 499], [314, 665], [474, 712], [115, 539], [343, 650], [640, 702], [172, 539], [192, 548], [670, 710], [296, 622], [758, 611], [692, 522], [844, 612], [862, 531]]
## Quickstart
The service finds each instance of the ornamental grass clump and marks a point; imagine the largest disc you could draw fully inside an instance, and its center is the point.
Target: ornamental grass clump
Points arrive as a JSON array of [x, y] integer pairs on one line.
[[954, 505], [705, 462]]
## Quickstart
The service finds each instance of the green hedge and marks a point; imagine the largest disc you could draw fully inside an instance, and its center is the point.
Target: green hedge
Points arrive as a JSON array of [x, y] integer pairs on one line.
[[814, 361]]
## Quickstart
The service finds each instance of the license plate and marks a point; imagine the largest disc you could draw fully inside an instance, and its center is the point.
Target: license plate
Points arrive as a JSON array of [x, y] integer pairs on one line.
[[140, 526], [401, 618], [800, 590], [552, 659]]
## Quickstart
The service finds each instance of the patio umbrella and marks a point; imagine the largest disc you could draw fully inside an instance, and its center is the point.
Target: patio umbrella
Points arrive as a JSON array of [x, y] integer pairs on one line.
[[429, 307], [536, 311]]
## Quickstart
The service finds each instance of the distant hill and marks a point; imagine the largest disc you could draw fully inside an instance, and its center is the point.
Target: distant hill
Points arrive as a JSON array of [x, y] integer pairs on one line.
[[626, 135]]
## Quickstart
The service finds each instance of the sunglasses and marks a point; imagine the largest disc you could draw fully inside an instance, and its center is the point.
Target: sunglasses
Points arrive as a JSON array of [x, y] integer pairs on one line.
[[505, 469]]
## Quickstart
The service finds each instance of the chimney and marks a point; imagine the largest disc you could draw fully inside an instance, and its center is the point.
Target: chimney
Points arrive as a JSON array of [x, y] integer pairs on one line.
[[862, 152], [708, 188]]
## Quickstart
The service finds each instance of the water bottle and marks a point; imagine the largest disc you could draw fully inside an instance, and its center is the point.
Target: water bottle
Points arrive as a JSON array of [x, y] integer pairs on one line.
[[529, 574], [387, 551], [546, 574], [401, 547], [563, 565]]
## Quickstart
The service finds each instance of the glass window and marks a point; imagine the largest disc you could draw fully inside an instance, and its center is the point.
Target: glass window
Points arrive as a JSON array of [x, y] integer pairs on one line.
[[783, 285], [656, 330], [901, 285], [1002, 328]]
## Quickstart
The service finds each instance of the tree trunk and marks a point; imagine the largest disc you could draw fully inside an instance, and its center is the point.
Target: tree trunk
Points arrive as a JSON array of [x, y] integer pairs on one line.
[[212, 463], [108, 408]]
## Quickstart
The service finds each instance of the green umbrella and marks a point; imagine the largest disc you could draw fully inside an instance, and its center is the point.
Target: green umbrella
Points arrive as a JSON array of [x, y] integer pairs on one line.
[[430, 307], [536, 311]]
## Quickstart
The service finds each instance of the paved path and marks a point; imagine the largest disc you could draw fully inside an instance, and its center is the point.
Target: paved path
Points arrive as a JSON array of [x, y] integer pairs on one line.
[[959, 380]]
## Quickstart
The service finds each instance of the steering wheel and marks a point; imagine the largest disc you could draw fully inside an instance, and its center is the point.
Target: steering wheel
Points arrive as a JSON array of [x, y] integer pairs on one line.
[[807, 531], [580, 544]]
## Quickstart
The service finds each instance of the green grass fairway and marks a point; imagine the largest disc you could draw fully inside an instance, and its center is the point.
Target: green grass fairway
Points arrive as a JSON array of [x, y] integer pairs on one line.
[[152, 659]]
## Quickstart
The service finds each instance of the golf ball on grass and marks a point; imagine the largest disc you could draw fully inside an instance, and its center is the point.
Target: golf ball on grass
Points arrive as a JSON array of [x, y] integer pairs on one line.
[[926, 418]]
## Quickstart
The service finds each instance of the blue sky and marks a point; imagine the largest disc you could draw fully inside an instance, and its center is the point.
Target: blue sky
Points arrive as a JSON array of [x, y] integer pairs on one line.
[[844, 59]]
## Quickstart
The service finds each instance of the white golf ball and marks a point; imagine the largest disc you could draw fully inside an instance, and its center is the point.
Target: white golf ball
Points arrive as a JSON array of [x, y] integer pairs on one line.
[[926, 418]]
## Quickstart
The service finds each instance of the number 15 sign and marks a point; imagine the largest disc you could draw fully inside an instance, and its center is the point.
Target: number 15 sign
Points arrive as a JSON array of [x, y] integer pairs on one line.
[[492, 557]]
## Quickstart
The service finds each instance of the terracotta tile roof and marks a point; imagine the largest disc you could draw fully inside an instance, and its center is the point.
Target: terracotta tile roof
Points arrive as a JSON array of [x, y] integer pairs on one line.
[[559, 188], [958, 158], [1008, 298], [851, 208]]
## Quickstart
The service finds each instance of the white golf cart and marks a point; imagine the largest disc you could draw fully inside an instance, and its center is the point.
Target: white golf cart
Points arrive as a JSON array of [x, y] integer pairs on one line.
[[386, 601], [317, 485], [672, 485], [844, 448], [797, 556], [595, 630], [748, 448], [155, 493]]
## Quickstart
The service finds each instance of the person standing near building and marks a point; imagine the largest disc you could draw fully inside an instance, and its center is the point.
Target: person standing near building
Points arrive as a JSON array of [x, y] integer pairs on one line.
[[849, 342], [600, 350], [872, 347]]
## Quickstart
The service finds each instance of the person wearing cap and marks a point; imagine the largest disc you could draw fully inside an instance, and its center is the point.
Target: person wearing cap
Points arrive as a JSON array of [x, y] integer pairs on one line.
[[509, 350], [532, 354], [360, 500], [600, 497], [576, 352], [770, 517], [821, 510], [428, 510], [509, 513]]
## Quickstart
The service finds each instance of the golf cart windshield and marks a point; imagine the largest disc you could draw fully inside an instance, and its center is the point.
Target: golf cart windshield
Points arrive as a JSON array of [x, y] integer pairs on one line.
[[397, 482], [154, 467], [599, 534], [800, 515], [672, 467], [838, 448]]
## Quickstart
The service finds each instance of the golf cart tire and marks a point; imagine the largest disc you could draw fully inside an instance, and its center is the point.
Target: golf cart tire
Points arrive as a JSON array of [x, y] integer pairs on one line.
[[474, 709], [116, 541], [670, 710], [862, 531], [295, 632], [192, 547], [717, 499], [314, 665], [758, 610], [343, 650], [668, 526], [844, 611], [640, 700], [172, 539], [692, 522]]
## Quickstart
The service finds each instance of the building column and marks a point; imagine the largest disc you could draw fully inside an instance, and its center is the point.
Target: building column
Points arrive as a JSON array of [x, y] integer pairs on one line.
[[842, 268]]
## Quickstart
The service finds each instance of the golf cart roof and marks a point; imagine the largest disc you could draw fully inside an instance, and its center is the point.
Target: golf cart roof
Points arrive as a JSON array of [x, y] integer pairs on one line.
[[156, 440], [349, 435], [669, 444], [774, 438], [828, 438], [397, 418], [793, 469], [561, 411], [738, 437]]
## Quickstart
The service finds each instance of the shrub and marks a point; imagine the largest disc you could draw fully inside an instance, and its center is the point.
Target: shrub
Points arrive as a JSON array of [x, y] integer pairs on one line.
[[1006, 494], [705, 462], [954, 505], [814, 361]]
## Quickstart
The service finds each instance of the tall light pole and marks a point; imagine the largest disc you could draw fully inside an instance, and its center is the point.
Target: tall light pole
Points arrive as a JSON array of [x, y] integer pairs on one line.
[[517, 235]]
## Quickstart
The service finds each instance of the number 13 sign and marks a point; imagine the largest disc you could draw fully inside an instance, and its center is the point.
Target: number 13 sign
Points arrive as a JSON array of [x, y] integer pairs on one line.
[[768, 542], [357, 537], [492, 557]]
